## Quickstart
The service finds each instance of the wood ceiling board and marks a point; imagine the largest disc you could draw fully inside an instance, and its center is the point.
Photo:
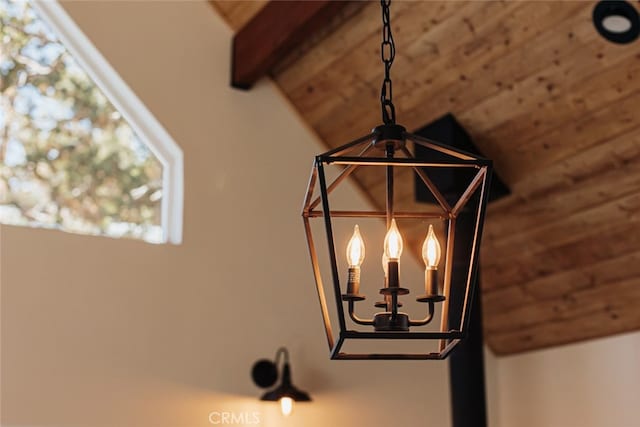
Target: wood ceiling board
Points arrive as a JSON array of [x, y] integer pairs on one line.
[[563, 305], [566, 188], [422, 96], [327, 100], [563, 230], [593, 127], [553, 289], [549, 293], [361, 25], [575, 255], [554, 105], [492, 62], [618, 316], [578, 83], [338, 47]]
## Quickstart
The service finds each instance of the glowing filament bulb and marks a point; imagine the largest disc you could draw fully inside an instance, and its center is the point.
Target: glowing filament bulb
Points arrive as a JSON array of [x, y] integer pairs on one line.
[[431, 251], [286, 406], [393, 242], [355, 249]]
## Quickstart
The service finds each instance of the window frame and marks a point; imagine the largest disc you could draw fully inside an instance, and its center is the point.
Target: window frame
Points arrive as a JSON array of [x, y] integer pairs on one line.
[[138, 116]]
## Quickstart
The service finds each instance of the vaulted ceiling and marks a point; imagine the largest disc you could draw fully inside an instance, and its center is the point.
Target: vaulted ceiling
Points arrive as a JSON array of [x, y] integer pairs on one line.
[[549, 100]]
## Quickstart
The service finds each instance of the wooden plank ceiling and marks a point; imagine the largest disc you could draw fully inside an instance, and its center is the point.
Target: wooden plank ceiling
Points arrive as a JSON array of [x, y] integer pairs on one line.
[[551, 102]]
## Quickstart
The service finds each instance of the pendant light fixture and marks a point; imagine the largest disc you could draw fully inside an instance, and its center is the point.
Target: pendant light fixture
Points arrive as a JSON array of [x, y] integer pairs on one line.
[[449, 231], [265, 374]]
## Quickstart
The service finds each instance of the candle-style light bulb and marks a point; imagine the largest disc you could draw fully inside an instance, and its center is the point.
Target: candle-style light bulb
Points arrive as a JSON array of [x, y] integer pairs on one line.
[[393, 250], [431, 251], [286, 406], [355, 256], [355, 249], [393, 242]]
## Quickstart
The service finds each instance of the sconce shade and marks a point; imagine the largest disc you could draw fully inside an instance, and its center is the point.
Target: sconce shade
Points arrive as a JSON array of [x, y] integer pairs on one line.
[[286, 389], [456, 213]]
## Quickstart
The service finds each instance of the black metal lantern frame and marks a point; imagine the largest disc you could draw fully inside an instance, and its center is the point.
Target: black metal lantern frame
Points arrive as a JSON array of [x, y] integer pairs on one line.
[[389, 148]]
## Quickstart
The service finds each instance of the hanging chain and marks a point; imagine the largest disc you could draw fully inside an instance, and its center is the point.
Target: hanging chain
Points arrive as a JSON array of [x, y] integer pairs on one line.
[[388, 53]]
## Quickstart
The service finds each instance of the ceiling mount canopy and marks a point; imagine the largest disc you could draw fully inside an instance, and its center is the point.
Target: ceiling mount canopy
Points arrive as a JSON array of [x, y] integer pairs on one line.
[[617, 21], [445, 232]]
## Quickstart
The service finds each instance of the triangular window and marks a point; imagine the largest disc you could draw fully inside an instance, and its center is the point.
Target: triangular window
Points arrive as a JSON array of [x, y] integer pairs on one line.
[[78, 151]]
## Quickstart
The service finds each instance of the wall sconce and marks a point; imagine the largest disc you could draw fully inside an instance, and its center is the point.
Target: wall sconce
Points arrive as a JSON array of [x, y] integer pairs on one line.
[[265, 374]]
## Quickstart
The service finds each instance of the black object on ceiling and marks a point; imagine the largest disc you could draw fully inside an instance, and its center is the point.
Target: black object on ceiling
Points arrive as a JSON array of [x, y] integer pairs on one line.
[[447, 130], [617, 21], [466, 364]]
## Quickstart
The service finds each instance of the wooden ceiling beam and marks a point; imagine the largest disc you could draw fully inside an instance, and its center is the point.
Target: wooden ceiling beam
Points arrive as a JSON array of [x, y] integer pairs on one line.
[[272, 33]]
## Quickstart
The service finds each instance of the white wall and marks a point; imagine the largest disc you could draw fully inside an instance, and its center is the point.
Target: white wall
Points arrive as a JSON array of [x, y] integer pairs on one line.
[[101, 332], [590, 384]]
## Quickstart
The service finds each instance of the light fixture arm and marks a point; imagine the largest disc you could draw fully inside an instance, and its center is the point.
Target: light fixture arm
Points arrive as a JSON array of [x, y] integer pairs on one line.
[[427, 319], [282, 351], [371, 322], [285, 379], [354, 316]]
